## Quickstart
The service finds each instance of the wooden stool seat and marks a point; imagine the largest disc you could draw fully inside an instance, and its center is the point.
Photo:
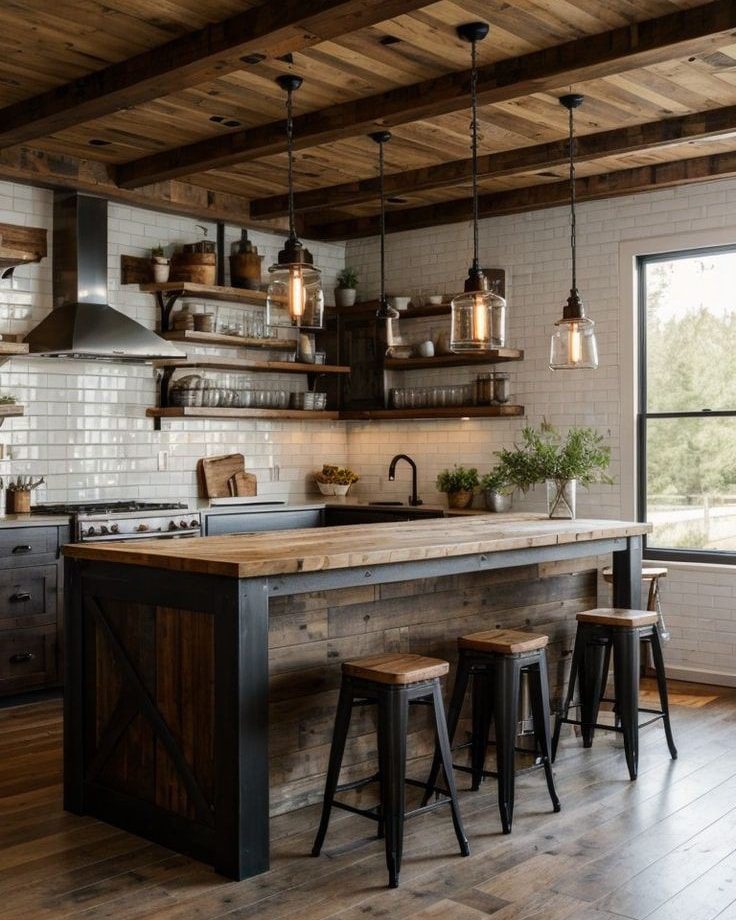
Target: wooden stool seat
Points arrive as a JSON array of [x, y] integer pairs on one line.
[[617, 616], [503, 641], [396, 668], [648, 572]]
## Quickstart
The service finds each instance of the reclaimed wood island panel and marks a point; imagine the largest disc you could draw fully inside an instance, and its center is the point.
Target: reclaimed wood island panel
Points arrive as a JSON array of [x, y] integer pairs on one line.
[[202, 673]]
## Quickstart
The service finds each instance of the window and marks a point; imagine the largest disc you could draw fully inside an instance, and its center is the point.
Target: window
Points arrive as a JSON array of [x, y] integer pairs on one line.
[[687, 404]]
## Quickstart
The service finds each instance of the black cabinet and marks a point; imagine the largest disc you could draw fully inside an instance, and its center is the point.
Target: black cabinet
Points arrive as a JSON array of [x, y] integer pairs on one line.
[[334, 517], [30, 608]]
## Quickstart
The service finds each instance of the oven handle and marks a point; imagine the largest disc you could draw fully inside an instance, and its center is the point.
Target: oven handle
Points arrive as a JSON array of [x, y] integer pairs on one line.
[[150, 535]]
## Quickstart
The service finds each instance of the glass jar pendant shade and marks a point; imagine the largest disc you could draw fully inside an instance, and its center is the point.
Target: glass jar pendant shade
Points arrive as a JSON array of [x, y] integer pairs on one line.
[[478, 315], [295, 296], [573, 345]]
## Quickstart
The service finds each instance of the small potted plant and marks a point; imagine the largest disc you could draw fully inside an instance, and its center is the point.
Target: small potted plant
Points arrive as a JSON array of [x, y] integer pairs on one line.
[[160, 265], [6, 399], [335, 480], [345, 292], [545, 456], [459, 484], [497, 489]]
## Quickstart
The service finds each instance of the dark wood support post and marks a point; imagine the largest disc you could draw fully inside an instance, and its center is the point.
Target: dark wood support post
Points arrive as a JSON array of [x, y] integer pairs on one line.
[[627, 575], [241, 732], [74, 677]]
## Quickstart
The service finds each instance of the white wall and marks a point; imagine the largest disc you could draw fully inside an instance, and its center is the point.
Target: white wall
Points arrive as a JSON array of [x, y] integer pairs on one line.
[[86, 428], [534, 249]]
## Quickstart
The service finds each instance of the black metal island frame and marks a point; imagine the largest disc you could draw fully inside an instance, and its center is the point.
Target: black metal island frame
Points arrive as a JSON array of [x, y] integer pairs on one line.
[[177, 650]]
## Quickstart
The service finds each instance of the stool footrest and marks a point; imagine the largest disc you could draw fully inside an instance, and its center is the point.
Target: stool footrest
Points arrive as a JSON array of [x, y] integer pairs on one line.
[[611, 728], [358, 783]]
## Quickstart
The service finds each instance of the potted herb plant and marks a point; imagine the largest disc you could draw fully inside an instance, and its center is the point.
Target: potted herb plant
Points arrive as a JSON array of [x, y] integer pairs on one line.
[[497, 489], [335, 480], [346, 290], [160, 265], [459, 484], [545, 456]]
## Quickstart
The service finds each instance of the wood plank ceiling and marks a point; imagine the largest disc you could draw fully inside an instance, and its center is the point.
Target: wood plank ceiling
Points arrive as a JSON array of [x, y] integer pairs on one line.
[[174, 104]]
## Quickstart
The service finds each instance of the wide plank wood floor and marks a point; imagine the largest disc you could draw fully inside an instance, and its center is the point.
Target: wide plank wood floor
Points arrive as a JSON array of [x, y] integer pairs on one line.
[[662, 848]]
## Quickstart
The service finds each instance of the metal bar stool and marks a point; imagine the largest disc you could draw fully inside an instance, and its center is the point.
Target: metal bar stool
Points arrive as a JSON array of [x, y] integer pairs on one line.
[[496, 659], [598, 632], [392, 682], [650, 574]]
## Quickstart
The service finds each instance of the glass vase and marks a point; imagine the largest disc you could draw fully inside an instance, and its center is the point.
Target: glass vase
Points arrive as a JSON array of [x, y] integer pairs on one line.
[[561, 495]]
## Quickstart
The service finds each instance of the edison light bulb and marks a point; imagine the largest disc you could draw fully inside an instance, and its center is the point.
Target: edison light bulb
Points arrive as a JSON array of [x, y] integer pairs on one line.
[[574, 344], [296, 292], [480, 319]]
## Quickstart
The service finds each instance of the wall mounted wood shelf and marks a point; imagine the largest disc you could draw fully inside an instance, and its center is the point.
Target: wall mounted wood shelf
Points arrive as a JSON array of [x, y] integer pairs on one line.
[[370, 306], [231, 295], [9, 349], [438, 413], [12, 411], [19, 246], [231, 341], [243, 364], [198, 412], [494, 356]]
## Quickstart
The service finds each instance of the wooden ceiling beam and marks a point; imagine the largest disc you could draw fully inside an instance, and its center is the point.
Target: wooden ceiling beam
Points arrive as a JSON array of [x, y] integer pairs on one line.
[[688, 31], [649, 136], [271, 29], [51, 170], [535, 197]]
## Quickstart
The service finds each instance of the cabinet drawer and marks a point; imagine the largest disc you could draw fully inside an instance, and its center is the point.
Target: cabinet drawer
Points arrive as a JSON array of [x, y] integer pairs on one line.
[[28, 545], [27, 658], [28, 596]]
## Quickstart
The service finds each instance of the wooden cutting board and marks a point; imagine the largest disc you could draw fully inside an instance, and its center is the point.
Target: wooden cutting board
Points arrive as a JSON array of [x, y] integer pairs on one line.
[[243, 485], [215, 474]]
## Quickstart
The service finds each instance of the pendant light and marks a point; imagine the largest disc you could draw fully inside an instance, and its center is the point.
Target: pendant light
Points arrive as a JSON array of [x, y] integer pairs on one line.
[[573, 342], [478, 315], [295, 283], [385, 310]]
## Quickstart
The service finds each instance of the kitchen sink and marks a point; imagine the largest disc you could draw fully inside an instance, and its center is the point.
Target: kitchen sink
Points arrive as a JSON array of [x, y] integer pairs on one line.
[[388, 504]]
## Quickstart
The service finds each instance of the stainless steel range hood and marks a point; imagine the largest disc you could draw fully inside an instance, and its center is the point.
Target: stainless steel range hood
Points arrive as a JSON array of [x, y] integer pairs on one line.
[[82, 323]]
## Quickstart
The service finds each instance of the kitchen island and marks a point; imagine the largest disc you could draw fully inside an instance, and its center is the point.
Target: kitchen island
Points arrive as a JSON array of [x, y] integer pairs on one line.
[[186, 660]]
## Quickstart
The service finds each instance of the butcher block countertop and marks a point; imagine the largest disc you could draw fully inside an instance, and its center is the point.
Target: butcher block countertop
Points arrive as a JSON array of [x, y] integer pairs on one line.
[[323, 549]]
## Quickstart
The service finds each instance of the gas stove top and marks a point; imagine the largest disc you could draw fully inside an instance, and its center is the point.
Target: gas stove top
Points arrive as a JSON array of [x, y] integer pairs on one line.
[[126, 520], [104, 507]]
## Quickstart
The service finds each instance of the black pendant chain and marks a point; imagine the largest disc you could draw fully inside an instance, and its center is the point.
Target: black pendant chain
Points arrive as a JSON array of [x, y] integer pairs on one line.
[[474, 139], [573, 216]]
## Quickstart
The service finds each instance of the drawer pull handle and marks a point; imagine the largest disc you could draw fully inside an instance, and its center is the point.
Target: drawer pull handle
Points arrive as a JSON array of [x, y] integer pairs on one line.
[[20, 596], [23, 548], [21, 657]]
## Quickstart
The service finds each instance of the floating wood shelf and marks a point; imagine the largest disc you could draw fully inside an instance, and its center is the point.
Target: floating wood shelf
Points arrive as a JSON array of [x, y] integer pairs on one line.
[[494, 356], [11, 411], [234, 414], [20, 245], [438, 413], [8, 349], [231, 341], [244, 365], [370, 306], [232, 295]]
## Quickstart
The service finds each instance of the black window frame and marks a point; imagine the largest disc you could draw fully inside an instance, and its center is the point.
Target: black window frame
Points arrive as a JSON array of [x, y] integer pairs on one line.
[[642, 416]]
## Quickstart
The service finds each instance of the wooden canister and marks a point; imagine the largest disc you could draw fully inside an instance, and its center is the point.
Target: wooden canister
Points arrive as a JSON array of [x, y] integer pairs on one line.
[[18, 501], [245, 270], [194, 267]]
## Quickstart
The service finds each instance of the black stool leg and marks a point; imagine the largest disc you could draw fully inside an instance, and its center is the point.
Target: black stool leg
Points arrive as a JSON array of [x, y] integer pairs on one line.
[[443, 745], [482, 713], [392, 724], [339, 736], [662, 685], [574, 678], [453, 717], [626, 662], [539, 686], [505, 711], [591, 685]]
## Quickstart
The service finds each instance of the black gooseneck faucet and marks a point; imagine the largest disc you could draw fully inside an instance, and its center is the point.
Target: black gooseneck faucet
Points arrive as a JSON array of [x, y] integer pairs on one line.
[[413, 498]]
